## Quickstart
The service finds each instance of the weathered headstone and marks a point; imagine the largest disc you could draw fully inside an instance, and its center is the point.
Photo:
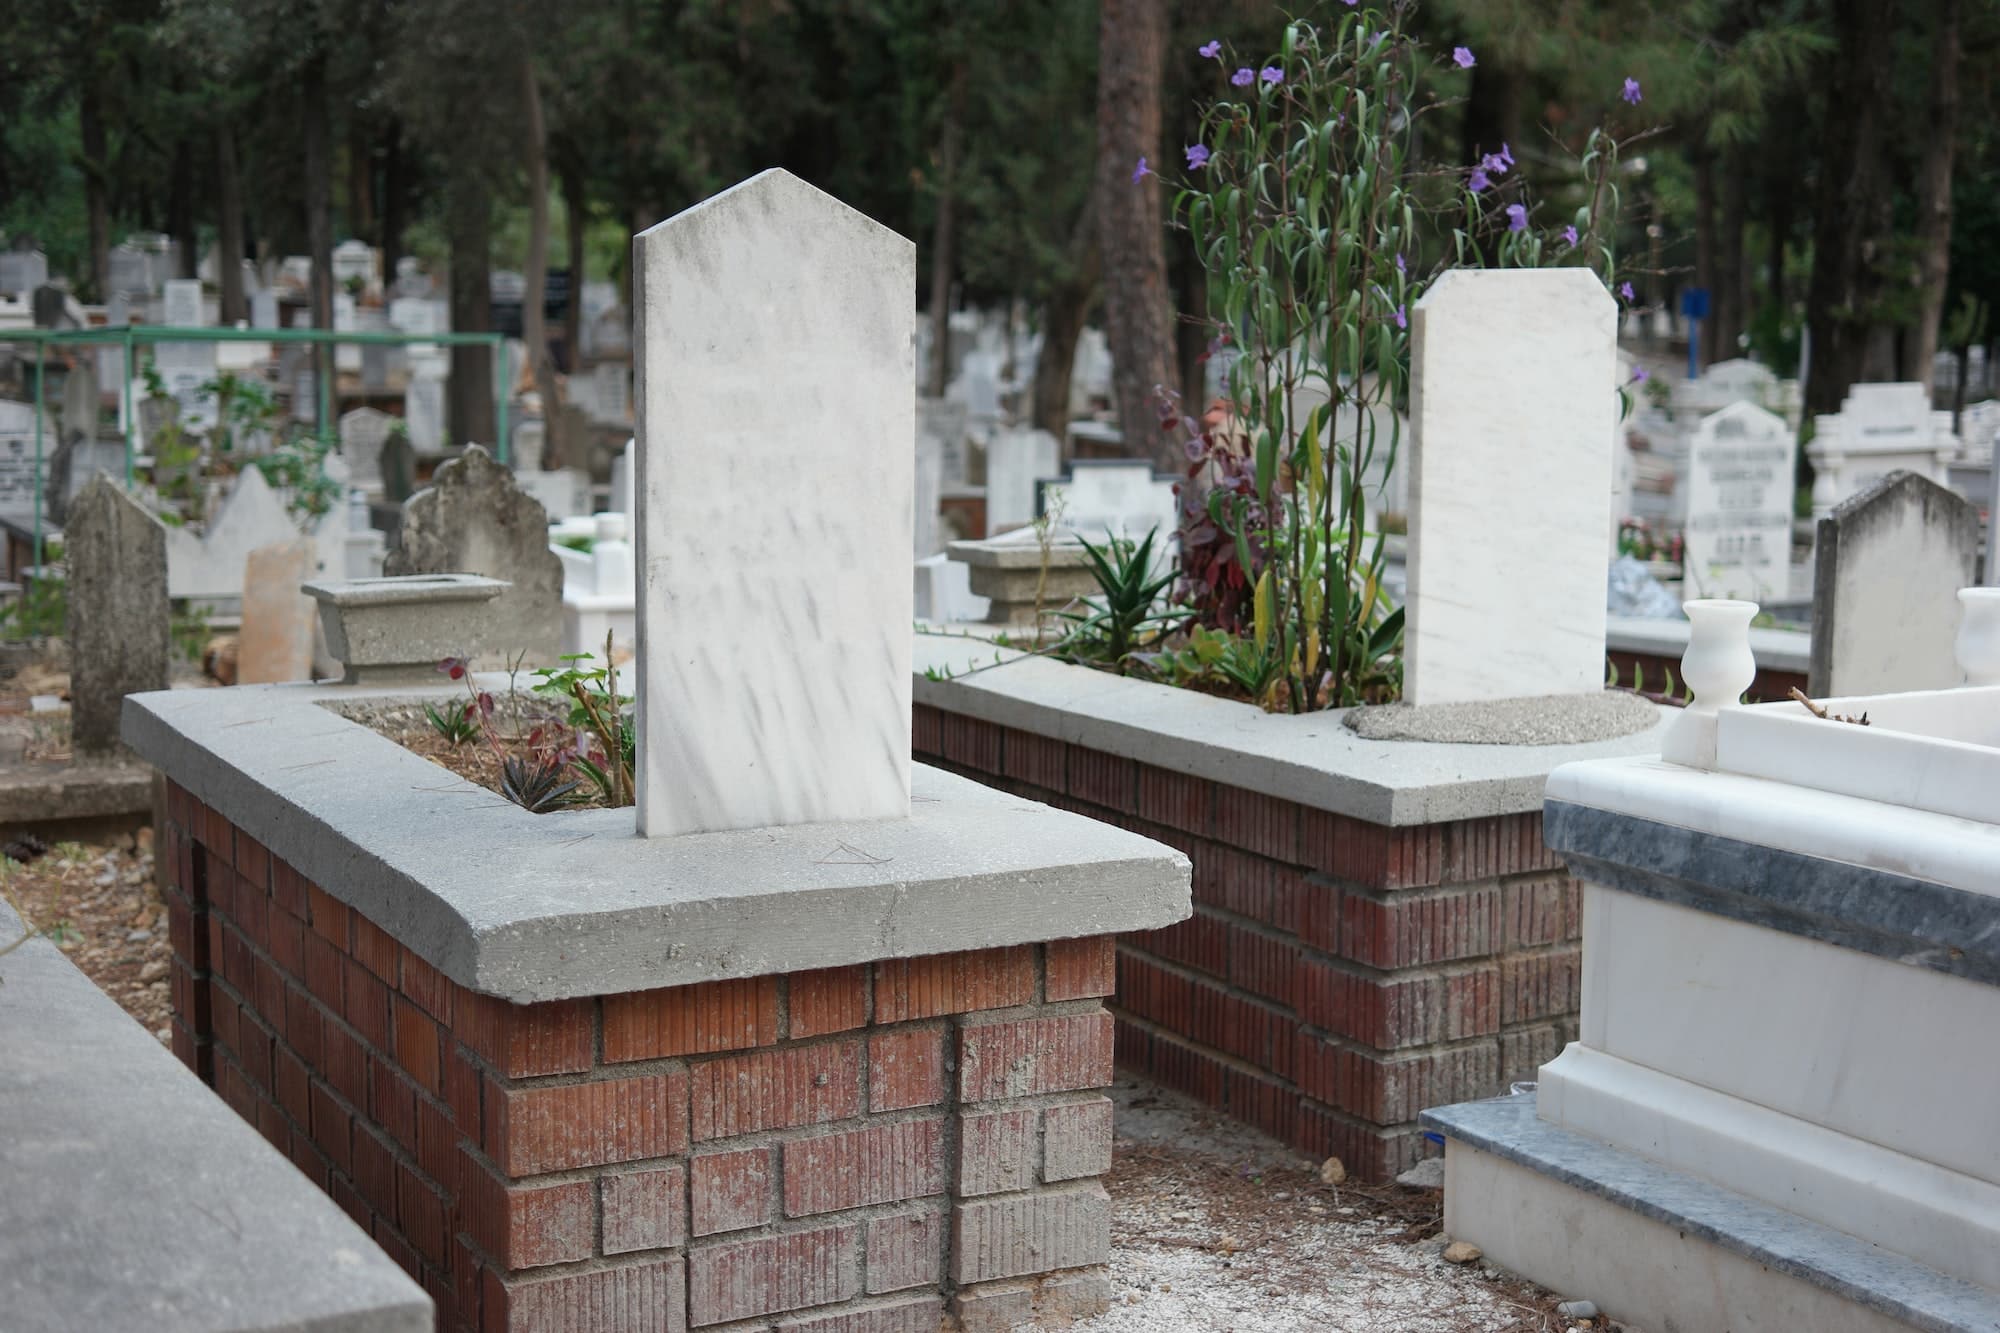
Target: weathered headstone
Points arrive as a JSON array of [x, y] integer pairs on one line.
[[1739, 519], [18, 490], [186, 366], [1888, 564], [1880, 428], [1511, 422], [563, 493], [473, 519], [399, 468], [276, 643], [21, 271], [119, 640], [791, 703], [1015, 461], [1111, 498], [363, 432]]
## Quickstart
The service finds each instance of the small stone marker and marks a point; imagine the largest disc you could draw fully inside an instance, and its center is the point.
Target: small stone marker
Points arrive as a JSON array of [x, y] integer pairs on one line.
[[116, 555], [473, 519], [1512, 420], [276, 643], [1739, 524], [1888, 565], [363, 432], [1015, 461], [775, 519]]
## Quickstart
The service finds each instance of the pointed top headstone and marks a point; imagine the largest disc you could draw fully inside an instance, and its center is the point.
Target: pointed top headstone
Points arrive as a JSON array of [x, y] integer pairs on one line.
[[774, 462]]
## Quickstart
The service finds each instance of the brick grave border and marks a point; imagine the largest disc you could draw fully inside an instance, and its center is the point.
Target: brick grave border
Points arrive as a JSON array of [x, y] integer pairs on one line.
[[1338, 976], [852, 1150]]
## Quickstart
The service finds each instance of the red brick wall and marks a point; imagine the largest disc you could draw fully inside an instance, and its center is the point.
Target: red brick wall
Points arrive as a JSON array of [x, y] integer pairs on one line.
[[1337, 976], [846, 1151]]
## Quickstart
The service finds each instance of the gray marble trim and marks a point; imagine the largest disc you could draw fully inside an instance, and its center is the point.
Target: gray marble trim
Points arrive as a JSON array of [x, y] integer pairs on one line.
[[1906, 920], [1866, 1274]]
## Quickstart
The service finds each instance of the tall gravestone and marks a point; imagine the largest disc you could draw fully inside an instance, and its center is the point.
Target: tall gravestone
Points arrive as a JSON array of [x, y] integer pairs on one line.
[[363, 432], [1511, 420], [775, 518], [1739, 516], [119, 641], [473, 519], [1888, 564], [276, 643]]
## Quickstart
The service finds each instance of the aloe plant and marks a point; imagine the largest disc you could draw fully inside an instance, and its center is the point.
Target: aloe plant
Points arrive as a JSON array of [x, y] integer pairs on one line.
[[1125, 616]]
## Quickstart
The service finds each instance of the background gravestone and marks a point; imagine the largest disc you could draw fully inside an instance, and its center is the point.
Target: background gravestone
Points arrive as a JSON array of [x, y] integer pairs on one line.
[[119, 643], [1888, 564], [1739, 515], [276, 643], [473, 519]]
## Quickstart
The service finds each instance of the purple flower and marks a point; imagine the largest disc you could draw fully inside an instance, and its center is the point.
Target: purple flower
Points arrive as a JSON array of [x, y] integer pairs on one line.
[[1401, 267], [1402, 320], [1141, 171], [1517, 217], [1271, 74], [1638, 374], [1244, 77], [1569, 236], [1376, 40], [1197, 156], [1494, 164], [1506, 154], [1625, 292], [1478, 181], [1631, 93], [1462, 57], [1213, 51]]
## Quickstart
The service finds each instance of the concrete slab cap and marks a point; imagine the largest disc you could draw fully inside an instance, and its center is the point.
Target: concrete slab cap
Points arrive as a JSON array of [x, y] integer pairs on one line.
[[1011, 554], [1550, 719], [1312, 758], [136, 1199], [540, 907]]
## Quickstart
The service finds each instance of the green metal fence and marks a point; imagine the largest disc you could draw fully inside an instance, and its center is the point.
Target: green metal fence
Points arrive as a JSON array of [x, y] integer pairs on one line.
[[131, 336]]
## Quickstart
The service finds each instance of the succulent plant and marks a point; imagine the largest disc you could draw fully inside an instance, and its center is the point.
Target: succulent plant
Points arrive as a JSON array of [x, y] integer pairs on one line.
[[536, 784]]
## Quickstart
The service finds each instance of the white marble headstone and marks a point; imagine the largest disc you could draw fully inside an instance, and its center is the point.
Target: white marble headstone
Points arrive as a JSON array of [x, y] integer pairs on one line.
[[1512, 414], [1739, 518], [17, 458], [1116, 499], [363, 432], [1015, 461], [775, 511]]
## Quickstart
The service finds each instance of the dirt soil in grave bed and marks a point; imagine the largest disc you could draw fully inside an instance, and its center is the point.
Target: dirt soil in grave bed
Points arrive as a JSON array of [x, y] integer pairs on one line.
[[100, 907], [1216, 1228], [475, 759]]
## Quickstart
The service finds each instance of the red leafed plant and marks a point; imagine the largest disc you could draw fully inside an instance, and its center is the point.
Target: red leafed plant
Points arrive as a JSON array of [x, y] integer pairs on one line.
[[1222, 522]]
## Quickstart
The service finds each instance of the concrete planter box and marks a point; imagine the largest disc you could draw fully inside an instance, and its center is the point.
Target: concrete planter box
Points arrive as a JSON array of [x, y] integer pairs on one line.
[[808, 1075], [1010, 574], [396, 630], [1377, 926]]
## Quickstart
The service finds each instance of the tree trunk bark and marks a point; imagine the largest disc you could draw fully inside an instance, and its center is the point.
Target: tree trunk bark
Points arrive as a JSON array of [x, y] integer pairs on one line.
[[1704, 246], [395, 189], [1131, 241], [944, 233], [576, 208], [534, 323], [229, 227], [1065, 314], [360, 180], [1841, 301], [180, 213], [1934, 195], [470, 396], [319, 218], [96, 169]]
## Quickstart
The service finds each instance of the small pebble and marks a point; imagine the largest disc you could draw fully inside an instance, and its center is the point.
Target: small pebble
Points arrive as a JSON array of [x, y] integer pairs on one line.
[[1462, 1252], [134, 936], [153, 971]]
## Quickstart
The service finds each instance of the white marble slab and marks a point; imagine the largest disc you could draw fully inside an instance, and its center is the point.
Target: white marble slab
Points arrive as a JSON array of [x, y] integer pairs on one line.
[[1015, 461], [775, 468], [1512, 422], [1739, 505]]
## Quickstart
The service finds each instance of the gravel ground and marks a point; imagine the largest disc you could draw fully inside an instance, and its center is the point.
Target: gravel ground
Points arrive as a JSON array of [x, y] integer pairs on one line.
[[1219, 1229], [101, 908]]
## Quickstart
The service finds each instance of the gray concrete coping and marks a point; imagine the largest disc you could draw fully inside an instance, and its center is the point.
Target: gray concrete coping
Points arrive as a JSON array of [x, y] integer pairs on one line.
[[996, 553], [1312, 758], [540, 907], [133, 1198], [398, 590], [1774, 649]]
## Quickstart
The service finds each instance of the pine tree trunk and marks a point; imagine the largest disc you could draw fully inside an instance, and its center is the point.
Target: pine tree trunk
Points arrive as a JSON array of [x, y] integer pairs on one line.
[[1934, 195], [534, 321], [1730, 316], [1854, 170], [1131, 239], [944, 237], [229, 227], [1065, 314], [96, 171], [395, 211], [319, 217], [469, 225], [576, 208]]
